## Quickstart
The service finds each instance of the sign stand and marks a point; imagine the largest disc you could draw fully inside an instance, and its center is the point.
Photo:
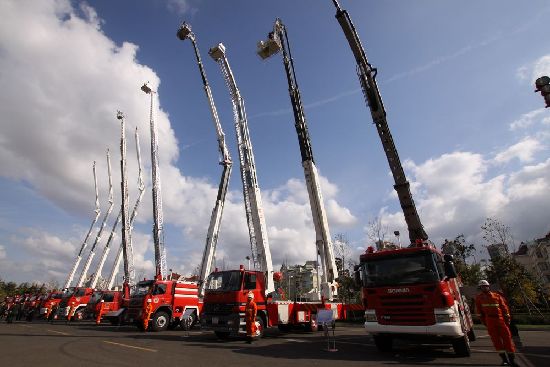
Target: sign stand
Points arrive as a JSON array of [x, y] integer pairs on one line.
[[326, 318], [186, 322]]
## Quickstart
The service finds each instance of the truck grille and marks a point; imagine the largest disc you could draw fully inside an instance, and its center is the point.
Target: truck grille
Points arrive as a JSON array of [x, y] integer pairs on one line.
[[405, 309], [217, 309]]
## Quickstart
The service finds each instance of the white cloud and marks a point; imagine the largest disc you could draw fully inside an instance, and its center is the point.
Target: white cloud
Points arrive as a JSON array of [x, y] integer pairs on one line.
[[2, 252], [67, 80], [181, 7], [526, 119], [541, 67], [524, 151]]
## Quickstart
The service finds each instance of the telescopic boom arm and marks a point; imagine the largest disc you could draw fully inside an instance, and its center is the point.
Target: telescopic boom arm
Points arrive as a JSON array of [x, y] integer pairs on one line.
[[209, 253], [367, 78], [278, 41], [97, 212], [261, 253]]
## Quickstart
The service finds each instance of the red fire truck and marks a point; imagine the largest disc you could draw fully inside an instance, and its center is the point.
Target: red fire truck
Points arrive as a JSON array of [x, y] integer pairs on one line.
[[414, 293], [73, 302], [49, 302], [171, 301]]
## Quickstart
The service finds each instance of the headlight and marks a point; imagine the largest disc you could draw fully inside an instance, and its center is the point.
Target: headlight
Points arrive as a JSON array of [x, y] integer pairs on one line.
[[445, 317], [370, 316]]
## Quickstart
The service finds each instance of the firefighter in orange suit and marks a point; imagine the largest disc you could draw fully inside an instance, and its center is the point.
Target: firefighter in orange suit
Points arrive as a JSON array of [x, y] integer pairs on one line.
[[70, 314], [495, 315], [147, 316], [250, 317], [99, 312]]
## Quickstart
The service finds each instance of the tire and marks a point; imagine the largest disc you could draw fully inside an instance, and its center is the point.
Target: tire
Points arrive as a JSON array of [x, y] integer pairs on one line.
[[261, 327], [160, 321], [461, 346], [384, 343], [312, 327], [471, 335], [222, 334]]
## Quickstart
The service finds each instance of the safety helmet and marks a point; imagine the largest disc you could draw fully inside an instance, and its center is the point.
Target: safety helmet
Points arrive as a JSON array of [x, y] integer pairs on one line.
[[483, 282], [250, 295]]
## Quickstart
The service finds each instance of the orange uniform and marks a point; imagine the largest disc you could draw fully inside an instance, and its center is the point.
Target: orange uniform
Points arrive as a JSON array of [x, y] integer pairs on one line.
[[494, 313], [99, 312], [147, 316], [250, 317]]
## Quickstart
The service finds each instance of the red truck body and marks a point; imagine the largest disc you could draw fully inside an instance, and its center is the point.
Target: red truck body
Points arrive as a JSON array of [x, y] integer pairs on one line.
[[49, 302], [74, 301], [171, 301], [113, 305], [411, 293], [225, 300]]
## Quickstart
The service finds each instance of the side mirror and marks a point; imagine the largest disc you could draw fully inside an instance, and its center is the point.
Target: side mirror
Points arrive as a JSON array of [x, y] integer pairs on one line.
[[357, 275], [450, 270]]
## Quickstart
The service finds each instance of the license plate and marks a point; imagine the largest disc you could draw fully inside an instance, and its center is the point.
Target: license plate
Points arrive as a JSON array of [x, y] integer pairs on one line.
[[214, 320]]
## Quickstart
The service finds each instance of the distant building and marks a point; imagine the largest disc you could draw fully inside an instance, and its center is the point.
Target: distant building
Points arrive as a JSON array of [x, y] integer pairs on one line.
[[301, 281], [535, 256]]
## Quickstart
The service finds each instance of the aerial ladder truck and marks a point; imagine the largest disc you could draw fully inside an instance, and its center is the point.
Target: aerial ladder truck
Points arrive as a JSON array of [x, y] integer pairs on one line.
[[407, 292], [162, 302], [255, 219], [112, 303], [278, 41], [226, 291], [208, 256], [74, 298], [97, 212]]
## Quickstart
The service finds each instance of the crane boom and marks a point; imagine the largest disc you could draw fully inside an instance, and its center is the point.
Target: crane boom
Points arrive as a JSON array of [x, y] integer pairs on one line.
[[97, 212], [129, 277], [278, 41], [257, 228], [130, 251], [185, 32], [367, 78], [158, 228], [101, 227]]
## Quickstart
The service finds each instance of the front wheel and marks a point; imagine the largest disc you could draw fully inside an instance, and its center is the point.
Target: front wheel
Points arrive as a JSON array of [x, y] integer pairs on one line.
[[260, 327], [461, 346], [160, 321]]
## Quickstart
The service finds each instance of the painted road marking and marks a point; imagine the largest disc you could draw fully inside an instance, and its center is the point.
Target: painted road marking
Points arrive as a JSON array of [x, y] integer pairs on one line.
[[130, 346], [296, 340], [58, 332]]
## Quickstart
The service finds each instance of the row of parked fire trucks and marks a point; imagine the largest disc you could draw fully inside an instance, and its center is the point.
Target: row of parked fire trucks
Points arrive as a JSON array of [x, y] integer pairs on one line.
[[410, 292]]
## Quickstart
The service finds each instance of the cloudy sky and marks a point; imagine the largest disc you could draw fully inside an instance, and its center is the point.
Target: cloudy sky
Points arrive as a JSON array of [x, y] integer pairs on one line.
[[457, 81]]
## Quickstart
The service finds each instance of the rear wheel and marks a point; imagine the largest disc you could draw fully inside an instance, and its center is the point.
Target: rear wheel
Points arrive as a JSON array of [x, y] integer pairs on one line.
[[461, 346], [384, 343], [160, 321], [260, 327]]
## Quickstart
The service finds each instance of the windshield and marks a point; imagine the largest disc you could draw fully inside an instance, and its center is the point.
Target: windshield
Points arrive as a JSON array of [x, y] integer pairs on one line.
[[80, 292], [142, 288], [224, 281], [398, 270], [96, 296], [56, 296], [68, 292]]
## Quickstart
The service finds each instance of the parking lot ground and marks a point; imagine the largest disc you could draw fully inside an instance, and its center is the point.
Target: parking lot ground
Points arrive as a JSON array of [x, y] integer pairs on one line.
[[85, 344]]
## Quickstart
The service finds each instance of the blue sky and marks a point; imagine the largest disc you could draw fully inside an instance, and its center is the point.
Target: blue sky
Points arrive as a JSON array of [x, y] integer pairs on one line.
[[457, 82]]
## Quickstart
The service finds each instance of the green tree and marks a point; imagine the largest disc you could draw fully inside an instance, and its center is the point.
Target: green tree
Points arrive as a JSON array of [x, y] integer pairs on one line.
[[461, 251]]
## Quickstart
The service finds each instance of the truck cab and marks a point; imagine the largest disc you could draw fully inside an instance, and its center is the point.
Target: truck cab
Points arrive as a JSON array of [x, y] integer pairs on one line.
[[414, 293], [225, 300], [170, 300], [74, 301]]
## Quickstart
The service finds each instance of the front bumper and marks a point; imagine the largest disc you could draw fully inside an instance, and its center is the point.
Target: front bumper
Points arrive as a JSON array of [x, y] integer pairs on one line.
[[233, 324]]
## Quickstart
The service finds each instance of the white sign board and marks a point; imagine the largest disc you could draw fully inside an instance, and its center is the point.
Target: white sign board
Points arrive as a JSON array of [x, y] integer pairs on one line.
[[325, 317]]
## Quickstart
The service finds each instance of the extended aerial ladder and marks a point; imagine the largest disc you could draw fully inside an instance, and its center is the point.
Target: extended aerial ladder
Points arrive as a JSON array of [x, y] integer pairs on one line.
[[367, 78], [158, 229], [184, 33], [130, 252], [257, 228], [101, 227], [127, 248], [97, 212], [109, 283], [278, 41]]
